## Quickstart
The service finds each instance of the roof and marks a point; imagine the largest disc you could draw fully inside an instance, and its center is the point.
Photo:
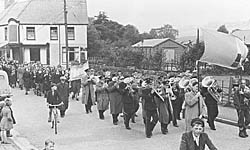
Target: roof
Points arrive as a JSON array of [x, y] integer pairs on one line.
[[153, 42], [45, 12], [186, 39], [244, 35]]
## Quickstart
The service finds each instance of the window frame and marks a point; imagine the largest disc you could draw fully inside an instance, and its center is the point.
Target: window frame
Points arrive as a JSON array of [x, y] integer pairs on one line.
[[30, 28], [53, 37], [73, 29]]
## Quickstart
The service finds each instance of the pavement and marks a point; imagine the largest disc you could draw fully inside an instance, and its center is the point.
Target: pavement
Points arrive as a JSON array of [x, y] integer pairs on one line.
[[85, 131]]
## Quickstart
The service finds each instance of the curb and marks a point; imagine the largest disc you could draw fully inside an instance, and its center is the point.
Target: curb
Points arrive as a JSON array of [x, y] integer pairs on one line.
[[21, 142]]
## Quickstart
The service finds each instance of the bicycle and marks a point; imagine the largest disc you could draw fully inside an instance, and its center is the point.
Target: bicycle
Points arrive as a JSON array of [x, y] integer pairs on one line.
[[54, 119]]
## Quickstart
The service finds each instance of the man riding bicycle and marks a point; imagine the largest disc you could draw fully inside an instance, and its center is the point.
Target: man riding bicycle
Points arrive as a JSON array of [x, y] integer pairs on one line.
[[53, 99]]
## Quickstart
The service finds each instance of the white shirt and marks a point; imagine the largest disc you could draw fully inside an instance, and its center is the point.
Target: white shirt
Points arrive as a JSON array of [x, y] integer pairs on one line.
[[196, 139]]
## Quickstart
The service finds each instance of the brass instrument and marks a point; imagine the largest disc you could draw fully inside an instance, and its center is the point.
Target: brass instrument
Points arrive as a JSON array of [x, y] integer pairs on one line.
[[212, 87]]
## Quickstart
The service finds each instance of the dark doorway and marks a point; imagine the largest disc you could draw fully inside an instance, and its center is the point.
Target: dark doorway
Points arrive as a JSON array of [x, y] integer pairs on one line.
[[35, 54]]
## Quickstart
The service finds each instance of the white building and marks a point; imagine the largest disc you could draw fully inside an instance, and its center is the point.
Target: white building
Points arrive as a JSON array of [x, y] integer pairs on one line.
[[34, 30]]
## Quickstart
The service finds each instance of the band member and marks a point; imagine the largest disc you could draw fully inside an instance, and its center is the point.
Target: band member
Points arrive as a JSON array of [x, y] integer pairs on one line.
[[165, 110], [174, 97], [212, 106], [63, 92], [150, 108], [102, 97], [196, 139], [129, 103], [88, 90], [194, 104], [241, 103], [115, 99]]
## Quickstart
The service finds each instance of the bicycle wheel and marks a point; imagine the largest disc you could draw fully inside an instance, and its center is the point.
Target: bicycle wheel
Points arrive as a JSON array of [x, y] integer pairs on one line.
[[55, 120]]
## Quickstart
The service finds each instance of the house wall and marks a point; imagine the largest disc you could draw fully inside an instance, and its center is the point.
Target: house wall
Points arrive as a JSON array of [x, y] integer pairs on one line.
[[178, 49], [42, 37]]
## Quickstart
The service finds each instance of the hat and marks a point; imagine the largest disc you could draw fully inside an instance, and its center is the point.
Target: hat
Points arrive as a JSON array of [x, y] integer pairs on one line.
[[53, 84], [197, 121], [62, 78]]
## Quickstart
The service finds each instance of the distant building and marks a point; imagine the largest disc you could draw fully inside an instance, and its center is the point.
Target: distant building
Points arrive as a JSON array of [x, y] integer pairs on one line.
[[33, 30], [171, 51]]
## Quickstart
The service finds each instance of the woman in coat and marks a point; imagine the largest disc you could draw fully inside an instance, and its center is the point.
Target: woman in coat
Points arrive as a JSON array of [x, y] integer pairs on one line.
[[6, 123], [102, 97], [115, 100], [194, 105]]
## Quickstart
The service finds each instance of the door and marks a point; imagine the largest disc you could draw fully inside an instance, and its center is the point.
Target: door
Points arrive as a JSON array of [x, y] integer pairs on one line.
[[35, 54]]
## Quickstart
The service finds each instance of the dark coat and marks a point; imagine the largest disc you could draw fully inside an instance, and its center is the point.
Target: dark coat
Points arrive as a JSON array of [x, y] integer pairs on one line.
[[129, 103], [149, 101], [239, 100], [187, 142], [63, 91], [27, 79], [53, 99], [115, 99]]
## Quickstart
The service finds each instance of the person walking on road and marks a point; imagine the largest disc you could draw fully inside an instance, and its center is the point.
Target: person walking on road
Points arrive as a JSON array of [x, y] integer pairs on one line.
[[196, 139], [63, 92], [102, 97], [115, 98], [7, 120], [150, 108], [241, 103], [88, 90]]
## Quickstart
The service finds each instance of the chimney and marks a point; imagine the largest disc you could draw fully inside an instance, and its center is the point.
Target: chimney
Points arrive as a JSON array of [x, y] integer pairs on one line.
[[7, 3]]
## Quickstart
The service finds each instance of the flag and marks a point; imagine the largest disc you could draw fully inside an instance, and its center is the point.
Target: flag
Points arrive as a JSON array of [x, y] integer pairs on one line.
[[78, 71], [223, 49]]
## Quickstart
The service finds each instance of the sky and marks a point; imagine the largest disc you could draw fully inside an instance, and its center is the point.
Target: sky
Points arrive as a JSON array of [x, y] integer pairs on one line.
[[181, 14]]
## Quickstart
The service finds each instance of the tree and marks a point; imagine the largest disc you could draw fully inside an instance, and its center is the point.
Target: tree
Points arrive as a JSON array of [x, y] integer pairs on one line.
[[223, 29], [167, 31]]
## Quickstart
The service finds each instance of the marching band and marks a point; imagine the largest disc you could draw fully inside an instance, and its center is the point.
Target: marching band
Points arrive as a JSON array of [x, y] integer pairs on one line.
[[162, 99]]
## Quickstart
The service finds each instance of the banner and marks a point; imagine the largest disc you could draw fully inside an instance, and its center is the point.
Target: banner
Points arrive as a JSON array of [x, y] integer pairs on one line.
[[223, 49], [78, 71]]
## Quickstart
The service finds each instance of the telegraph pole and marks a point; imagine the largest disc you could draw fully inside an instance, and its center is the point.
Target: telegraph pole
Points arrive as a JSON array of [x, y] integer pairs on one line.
[[66, 34]]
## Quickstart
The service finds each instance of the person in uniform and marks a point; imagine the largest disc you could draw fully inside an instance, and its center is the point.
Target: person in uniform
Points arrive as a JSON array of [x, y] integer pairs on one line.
[[115, 98], [89, 92], [241, 103], [150, 108], [212, 106], [102, 97]]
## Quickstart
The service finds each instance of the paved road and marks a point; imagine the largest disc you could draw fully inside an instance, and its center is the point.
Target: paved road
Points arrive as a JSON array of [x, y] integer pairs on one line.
[[85, 131]]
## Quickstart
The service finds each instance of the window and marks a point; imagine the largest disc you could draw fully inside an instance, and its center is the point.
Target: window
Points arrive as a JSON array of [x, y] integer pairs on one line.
[[71, 33], [5, 33], [73, 54], [30, 33], [53, 33]]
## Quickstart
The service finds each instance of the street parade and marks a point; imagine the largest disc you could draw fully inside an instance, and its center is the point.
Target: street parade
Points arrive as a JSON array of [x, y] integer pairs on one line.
[[124, 75]]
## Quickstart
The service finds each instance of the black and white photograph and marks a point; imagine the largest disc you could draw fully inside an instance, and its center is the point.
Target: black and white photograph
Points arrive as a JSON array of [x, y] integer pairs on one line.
[[124, 75]]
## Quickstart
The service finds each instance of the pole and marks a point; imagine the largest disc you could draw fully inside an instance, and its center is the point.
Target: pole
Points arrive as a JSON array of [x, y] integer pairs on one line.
[[66, 34], [198, 72]]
